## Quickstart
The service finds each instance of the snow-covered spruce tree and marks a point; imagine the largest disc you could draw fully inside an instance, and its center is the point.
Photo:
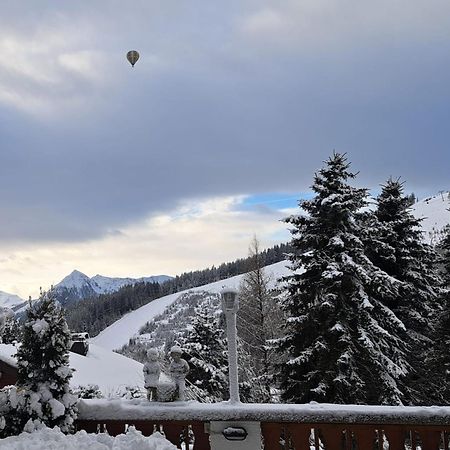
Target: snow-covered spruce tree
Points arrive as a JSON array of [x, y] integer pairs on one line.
[[205, 350], [43, 366], [342, 344], [438, 358], [12, 331], [445, 259], [395, 244], [258, 318]]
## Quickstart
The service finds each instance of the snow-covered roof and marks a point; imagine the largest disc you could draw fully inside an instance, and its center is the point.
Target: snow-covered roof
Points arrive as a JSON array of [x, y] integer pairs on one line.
[[109, 370], [308, 413], [7, 354]]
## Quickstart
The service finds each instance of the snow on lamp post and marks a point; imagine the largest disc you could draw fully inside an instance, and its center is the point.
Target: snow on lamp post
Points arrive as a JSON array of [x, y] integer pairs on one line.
[[230, 306]]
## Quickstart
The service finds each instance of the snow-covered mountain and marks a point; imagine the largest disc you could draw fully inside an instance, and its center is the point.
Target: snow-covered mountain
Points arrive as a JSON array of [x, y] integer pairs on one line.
[[107, 284], [77, 285], [9, 300]]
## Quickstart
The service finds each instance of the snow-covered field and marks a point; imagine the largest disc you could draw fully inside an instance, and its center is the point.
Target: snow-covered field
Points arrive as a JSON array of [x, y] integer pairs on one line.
[[118, 334], [53, 439]]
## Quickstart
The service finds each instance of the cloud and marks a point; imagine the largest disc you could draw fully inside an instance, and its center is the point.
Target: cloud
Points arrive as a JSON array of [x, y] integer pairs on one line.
[[196, 235], [244, 98], [43, 70], [328, 25]]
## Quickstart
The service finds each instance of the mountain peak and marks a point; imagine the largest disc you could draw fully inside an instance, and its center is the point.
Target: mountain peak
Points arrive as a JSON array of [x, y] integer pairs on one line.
[[74, 279]]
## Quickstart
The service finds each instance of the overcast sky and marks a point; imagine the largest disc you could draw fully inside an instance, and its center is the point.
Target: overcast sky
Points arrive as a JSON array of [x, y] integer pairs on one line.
[[175, 164]]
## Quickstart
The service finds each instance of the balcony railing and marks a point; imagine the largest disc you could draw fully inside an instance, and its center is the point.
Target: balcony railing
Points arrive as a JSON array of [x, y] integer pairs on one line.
[[283, 427]]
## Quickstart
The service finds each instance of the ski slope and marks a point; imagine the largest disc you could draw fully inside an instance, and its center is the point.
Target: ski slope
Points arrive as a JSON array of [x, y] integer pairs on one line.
[[118, 334], [435, 212]]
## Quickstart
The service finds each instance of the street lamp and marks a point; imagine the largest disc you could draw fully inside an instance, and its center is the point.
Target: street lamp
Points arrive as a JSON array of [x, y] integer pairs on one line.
[[230, 306]]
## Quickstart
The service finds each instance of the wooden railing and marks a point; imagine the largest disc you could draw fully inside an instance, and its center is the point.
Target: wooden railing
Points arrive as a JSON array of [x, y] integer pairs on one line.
[[183, 434], [283, 427], [301, 436]]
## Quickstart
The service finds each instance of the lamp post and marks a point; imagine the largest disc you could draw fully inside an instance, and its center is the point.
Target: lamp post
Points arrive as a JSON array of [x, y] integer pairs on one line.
[[230, 306]]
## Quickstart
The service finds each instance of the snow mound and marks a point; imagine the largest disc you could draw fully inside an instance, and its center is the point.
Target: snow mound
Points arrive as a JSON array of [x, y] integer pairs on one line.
[[118, 334], [53, 439]]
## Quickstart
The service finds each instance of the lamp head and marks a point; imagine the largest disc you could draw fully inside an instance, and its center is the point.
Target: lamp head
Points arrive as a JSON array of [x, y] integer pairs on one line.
[[230, 301]]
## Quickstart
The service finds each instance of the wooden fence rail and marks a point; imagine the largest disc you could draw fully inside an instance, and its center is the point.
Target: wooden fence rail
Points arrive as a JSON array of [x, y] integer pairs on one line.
[[292, 436], [283, 427], [180, 433]]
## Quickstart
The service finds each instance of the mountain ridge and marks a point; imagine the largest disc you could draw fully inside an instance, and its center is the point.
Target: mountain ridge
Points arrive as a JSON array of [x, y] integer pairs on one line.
[[77, 285]]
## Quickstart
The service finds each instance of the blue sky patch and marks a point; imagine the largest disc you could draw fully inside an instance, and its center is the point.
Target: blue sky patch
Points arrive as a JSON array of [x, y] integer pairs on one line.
[[274, 200]]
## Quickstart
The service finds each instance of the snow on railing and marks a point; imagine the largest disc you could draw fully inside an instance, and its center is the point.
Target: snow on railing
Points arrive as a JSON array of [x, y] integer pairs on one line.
[[315, 426]]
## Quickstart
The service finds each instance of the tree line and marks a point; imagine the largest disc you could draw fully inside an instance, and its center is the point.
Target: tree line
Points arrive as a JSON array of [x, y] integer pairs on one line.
[[95, 313]]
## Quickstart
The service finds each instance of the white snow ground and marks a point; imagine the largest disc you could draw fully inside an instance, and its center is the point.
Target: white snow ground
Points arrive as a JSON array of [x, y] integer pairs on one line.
[[110, 371], [118, 334], [53, 439]]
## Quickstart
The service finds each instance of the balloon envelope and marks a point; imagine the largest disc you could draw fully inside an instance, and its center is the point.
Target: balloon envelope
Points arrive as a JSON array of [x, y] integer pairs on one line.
[[132, 57]]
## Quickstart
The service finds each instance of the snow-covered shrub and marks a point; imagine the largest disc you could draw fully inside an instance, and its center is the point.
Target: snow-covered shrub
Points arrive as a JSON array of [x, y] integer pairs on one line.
[[126, 392], [43, 391], [10, 420], [133, 392], [12, 332], [88, 392]]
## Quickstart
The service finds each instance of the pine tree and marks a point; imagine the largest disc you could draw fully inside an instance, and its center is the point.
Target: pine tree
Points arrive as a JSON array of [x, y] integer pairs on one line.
[[12, 331], [258, 318], [395, 244], [342, 344], [43, 365], [438, 358], [445, 248], [206, 352]]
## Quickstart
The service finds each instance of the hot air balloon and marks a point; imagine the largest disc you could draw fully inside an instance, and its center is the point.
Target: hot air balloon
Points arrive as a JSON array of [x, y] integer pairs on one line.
[[132, 57]]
